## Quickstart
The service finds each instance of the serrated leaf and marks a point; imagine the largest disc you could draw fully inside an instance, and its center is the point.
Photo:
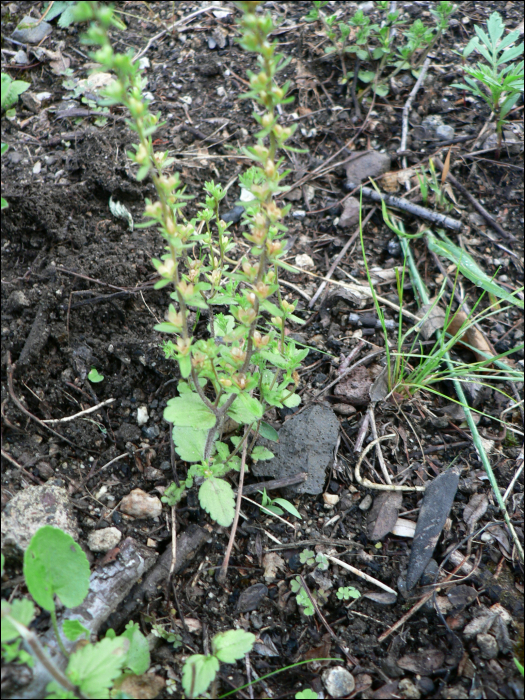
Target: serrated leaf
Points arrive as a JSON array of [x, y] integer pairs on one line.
[[22, 610], [55, 564], [189, 411], [94, 667], [261, 453], [469, 267], [216, 498], [266, 431], [121, 212], [232, 645], [198, 673], [189, 443]]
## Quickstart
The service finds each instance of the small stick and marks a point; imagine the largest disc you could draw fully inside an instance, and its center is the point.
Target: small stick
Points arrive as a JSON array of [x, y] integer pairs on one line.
[[221, 578], [373, 485], [410, 207], [363, 430], [408, 104], [339, 258], [21, 468], [77, 415], [173, 541], [361, 574], [379, 453]]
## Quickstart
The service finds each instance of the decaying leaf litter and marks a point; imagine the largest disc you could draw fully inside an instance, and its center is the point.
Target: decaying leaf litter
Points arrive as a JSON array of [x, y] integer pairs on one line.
[[78, 294]]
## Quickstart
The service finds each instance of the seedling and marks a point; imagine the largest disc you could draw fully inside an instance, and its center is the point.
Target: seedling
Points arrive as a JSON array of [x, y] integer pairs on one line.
[[500, 89], [269, 505], [302, 597], [54, 565], [310, 558], [347, 592], [11, 89], [236, 371], [94, 376], [200, 671], [432, 183]]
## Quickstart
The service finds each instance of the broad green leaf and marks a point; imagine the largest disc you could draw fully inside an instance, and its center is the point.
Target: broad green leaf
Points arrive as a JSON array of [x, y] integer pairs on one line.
[[189, 411], [22, 610], [469, 267], [275, 358], [245, 409], [216, 498], [266, 431], [198, 673], [94, 376], [72, 630], [292, 401], [232, 645], [261, 453], [185, 366], [189, 443], [94, 667], [55, 564], [137, 657]]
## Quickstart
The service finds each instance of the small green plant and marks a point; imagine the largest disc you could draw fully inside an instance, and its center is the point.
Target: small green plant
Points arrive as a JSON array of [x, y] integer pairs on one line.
[[237, 371], [11, 89], [306, 694], [94, 376], [501, 84], [519, 665], [4, 148], [302, 597], [347, 592], [438, 188], [55, 565], [200, 670], [375, 44], [310, 558], [269, 505]]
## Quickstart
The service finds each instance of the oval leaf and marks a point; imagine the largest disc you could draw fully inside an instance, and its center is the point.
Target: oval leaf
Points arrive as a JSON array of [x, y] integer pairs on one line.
[[232, 645], [216, 498]]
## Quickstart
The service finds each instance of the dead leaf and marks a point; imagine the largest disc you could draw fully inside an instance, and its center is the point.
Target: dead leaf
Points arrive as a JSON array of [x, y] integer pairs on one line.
[[471, 336], [272, 562], [323, 651], [434, 321], [475, 509], [423, 662], [383, 515], [143, 687]]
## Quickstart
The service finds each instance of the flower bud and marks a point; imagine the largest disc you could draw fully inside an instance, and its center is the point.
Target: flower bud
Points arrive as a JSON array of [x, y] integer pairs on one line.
[[267, 119], [269, 168], [141, 155]]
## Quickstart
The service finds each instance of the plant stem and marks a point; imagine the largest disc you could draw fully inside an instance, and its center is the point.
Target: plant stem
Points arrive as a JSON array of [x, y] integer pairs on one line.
[[221, 578]]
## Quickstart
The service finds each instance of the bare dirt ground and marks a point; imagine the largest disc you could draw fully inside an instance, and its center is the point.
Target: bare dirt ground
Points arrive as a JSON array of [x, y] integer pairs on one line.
[[77, 292]]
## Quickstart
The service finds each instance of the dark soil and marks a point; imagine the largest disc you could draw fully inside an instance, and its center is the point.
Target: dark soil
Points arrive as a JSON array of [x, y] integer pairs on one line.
[[77, 292]]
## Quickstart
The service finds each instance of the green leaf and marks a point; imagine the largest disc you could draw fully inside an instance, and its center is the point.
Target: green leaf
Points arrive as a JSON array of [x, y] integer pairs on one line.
[[94, 377], [232, 645], [72, 630], [137, 657], [261, 453], [292, 401], [245, 409], [198, 673], [266, 431], [216, 498], [288, 506], [189, 411], [189, 443], [469, 267], [55, 564], [306, 694], [94, 667], [22, 610]]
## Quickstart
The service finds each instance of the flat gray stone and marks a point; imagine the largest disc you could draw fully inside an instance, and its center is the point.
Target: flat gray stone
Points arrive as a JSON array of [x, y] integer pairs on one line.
[[367, 164], [306, 444], [31, 31], [350, 215]]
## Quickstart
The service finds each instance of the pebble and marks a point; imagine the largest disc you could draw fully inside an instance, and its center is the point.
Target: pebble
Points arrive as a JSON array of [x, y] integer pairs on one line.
[[139, 504], [104, 540], [338, 682]]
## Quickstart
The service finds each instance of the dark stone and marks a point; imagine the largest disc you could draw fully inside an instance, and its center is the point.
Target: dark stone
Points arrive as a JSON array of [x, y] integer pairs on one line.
[[234, 215], [251, 598]]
